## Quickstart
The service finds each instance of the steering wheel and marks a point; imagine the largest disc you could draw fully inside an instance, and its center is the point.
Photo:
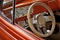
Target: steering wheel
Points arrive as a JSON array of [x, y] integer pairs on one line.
[[41, 21]]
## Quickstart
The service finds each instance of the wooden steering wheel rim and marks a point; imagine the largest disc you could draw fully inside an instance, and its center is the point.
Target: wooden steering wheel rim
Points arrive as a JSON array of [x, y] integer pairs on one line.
[[30, 21]]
